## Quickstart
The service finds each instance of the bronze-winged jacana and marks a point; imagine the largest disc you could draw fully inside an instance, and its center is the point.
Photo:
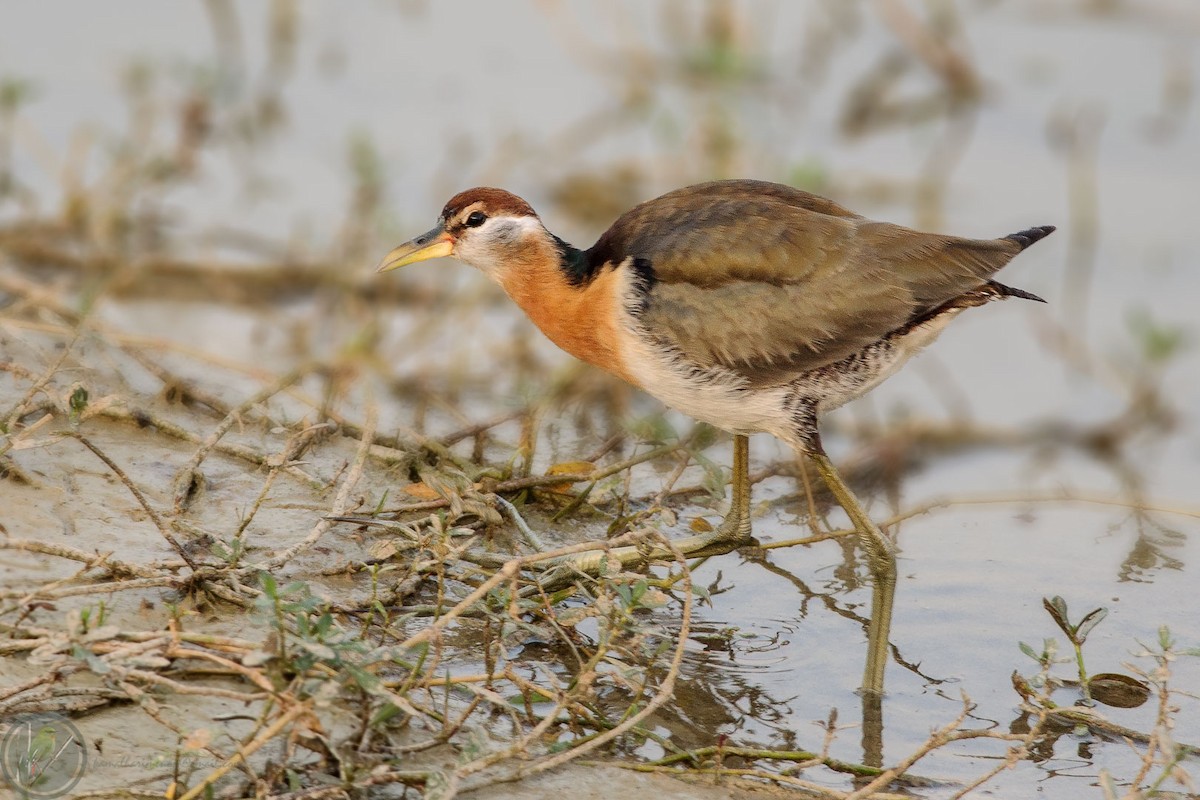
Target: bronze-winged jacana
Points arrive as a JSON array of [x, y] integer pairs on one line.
[[749, 305]]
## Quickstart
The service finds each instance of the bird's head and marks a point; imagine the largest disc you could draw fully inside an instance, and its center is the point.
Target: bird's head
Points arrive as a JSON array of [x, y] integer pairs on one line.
[[490, 229]]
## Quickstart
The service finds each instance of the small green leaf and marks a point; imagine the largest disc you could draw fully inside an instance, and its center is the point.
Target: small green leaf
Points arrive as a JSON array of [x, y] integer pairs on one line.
[[438, 787], [703, 436], [14, 92], [368, 681], [385, 712], [1089, 622], [714, 477], [78, 403], [1029, 651], [654, 430], [94, 662], [297, 589], [1057, 608], [1164, 638], [1159, 341], [636, 591], [533, 696], [317, 649]]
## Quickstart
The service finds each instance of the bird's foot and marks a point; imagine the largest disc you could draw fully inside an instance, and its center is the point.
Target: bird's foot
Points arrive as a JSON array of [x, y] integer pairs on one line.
[[734, 530]]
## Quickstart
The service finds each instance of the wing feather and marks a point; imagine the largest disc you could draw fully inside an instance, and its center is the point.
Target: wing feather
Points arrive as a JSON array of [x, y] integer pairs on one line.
[[769, 281]]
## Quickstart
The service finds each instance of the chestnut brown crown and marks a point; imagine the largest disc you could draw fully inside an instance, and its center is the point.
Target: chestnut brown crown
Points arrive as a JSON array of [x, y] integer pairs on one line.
[[487, 200]]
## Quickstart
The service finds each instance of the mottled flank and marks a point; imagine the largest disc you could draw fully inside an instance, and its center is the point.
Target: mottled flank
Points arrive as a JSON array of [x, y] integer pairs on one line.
[[496, 202]]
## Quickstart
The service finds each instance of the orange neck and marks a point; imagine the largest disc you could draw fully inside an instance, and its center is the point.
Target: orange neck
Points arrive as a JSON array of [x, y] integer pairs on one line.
[[580, 319]]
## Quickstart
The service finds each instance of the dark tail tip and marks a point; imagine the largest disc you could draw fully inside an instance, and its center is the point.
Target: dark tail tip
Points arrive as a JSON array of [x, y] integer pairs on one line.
[[1030, 236], [1011, 291]]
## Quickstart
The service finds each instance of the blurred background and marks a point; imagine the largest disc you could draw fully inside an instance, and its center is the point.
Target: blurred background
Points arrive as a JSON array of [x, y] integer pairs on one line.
[[213, 182]]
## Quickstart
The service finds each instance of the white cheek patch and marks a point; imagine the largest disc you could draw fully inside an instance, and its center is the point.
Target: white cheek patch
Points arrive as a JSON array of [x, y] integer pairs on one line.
[[487, 247], [503, 231]]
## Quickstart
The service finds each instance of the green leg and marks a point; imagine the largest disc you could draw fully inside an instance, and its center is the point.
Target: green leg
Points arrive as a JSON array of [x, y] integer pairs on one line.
[[734, 530], [878, 547], [881, 559], [736, 525]]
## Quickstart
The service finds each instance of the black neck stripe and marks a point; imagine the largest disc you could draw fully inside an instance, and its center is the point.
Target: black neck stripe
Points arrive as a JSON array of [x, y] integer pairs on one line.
[[575, 263]]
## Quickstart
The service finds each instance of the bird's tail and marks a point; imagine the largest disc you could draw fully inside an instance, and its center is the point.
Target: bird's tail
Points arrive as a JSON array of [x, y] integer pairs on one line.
[[1030, 236], [1011, 291], [992, 290]]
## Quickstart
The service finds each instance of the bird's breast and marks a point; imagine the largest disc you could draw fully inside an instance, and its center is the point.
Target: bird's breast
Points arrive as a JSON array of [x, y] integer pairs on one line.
[[585, 321]]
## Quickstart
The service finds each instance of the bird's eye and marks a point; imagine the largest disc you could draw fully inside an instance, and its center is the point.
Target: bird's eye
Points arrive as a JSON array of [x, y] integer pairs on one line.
[[475, 219]]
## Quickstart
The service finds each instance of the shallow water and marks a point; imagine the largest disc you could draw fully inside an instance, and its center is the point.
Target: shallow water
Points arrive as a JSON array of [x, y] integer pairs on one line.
[[453, 97]]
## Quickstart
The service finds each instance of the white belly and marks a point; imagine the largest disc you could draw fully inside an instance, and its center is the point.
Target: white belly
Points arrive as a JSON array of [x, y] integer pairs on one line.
[[719, 398], [709, 397]]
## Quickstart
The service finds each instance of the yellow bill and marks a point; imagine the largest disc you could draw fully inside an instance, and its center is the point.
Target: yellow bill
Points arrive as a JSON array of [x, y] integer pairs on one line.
[[435, 243]]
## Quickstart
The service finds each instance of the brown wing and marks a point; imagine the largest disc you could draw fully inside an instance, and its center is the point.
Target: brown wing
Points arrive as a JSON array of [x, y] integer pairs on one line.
[[770, 281]]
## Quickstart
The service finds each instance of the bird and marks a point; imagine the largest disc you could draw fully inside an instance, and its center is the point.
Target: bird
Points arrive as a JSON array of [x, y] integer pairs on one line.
[[750, 305]]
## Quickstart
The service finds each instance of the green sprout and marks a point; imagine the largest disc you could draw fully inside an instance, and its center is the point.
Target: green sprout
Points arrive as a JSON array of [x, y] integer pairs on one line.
[[1077, 634], [78, 404]]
